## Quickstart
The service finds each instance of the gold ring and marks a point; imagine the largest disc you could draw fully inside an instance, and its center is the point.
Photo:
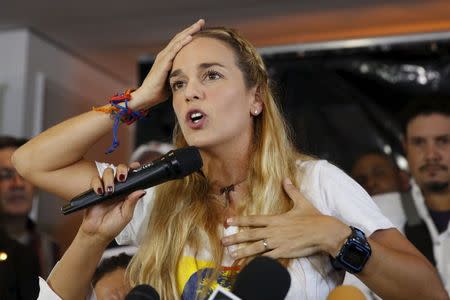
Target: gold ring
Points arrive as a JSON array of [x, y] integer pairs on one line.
[[266, 246]]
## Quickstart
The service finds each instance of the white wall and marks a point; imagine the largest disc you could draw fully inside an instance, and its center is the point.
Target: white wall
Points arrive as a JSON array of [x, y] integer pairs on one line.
[[13, 54], [41, 85]]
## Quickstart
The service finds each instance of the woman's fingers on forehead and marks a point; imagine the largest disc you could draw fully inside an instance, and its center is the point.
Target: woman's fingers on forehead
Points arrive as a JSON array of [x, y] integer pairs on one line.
[[179, 44], [196, 26], [189, 30], [184, 37], [176, 44]]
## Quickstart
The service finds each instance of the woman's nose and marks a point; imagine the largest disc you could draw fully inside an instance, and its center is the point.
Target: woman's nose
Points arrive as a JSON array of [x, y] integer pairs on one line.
[[193, 91]]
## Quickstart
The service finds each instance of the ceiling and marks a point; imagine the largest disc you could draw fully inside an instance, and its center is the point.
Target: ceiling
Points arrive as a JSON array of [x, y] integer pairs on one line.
[[114, 34]]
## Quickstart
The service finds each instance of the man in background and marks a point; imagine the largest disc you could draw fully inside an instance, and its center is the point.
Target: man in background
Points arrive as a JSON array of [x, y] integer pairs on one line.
[[423, 214], [427, 147], [378, 174], [16, 201], [389, 187]]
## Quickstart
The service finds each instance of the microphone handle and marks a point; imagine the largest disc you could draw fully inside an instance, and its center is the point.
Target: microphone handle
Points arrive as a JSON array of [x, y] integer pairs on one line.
[[146, 176]]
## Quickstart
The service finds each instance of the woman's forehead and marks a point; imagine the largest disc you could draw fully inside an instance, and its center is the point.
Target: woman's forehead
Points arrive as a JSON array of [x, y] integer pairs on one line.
[[203, 50]]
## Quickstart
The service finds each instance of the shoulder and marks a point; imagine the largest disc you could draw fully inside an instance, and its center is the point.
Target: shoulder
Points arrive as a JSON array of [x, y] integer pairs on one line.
[[321, 170], [325, 180], [335, 193]]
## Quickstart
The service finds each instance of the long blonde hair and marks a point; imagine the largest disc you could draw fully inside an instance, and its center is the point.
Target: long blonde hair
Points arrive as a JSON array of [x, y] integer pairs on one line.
[[182, 214]]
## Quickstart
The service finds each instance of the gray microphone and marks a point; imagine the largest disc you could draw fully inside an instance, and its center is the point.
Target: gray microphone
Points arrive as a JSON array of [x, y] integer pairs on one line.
[[175, 164]]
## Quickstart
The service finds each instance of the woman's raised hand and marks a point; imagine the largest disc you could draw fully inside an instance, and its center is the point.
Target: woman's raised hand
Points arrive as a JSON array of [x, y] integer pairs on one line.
[[154, 88]]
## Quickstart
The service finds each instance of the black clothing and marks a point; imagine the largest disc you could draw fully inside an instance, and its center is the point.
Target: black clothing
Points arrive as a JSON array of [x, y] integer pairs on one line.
[[19, 269]]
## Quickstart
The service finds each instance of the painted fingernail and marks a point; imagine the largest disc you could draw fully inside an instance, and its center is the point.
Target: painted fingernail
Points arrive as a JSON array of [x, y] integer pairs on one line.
[[121, 177], [100, 191]]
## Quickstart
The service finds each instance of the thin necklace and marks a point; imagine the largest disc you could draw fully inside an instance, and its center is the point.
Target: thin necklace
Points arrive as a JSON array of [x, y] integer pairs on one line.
[[226, 192]]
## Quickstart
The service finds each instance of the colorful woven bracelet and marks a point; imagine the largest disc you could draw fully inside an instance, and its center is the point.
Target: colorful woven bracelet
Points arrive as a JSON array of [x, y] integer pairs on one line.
[[121, 113]]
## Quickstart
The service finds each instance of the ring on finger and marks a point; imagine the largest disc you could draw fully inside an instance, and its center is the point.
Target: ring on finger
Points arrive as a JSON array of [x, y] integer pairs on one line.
[[265, 244]]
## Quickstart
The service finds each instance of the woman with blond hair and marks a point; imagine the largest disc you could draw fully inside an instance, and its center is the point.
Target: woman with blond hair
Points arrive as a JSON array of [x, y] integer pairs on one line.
[[255, 194]]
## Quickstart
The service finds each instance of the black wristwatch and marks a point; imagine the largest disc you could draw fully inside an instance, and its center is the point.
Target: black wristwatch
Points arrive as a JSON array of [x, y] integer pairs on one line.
[[354, 253]]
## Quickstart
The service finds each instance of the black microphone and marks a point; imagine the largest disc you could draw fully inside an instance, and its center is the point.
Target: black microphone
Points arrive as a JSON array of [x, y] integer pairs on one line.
[[263, 278], [142, 292], [175, 164]]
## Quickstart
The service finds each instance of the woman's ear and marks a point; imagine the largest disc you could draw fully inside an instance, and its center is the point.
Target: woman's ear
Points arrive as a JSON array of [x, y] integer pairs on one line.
[[257, 105]]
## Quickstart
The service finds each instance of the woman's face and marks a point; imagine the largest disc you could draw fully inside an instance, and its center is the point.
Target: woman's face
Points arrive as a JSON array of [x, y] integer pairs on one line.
[[212, 104]]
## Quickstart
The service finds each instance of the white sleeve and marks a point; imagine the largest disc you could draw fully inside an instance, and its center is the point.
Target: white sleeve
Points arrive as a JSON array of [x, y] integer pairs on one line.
[[342, 197], [45, 291], [101, 167], [134, 231]]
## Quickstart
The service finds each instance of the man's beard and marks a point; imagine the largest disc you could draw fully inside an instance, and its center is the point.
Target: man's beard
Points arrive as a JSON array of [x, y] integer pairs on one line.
[[436, 186]]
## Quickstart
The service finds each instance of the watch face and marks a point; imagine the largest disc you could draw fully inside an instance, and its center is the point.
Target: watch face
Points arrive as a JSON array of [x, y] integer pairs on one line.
[[355, 256]]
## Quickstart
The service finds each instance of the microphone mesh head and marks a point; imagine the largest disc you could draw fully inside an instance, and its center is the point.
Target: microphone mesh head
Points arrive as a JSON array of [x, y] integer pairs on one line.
[[263, 278], [142, 292], [189, 160]]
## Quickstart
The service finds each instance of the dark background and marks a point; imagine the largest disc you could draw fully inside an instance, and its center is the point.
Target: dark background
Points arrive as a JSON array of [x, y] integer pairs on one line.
[[342, 102]]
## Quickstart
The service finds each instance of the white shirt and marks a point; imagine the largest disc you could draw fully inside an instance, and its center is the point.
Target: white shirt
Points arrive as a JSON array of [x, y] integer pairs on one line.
[[441, 241], [45, 292], [332, 192]]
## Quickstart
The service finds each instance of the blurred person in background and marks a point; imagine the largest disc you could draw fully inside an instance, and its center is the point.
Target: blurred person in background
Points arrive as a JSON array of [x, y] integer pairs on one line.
[[389, 187], [378, 174], [16, 200], [150, 151], [109, 278]]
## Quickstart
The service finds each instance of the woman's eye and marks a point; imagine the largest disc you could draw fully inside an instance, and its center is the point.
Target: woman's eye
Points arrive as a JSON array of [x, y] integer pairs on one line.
[[213, 75], [177, 85]]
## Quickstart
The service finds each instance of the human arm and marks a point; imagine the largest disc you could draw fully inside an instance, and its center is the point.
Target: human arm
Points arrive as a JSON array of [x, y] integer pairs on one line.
[[61, 168], [71, 277], [395, 270]]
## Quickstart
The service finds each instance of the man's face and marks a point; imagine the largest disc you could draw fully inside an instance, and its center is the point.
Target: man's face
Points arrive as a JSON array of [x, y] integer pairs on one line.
[[16, 194], [427, 145], [376, 174]]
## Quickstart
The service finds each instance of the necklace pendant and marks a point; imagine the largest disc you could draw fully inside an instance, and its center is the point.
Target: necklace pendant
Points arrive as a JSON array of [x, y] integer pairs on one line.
[[227, 189]]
